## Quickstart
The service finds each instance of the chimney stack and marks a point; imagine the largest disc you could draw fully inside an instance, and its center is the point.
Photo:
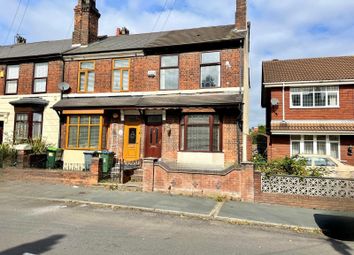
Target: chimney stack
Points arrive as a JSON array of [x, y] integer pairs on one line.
[[241, 14], [86, 22], [122, 31]]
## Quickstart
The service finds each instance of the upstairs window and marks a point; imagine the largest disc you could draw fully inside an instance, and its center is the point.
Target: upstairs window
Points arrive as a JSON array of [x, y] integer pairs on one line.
[[87, 76], [121, 75], [169, 73], [40, 77], [319, 97], [210, 70], [12, 76]]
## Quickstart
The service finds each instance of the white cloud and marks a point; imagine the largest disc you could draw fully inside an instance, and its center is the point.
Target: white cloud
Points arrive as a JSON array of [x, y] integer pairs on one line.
[[280, 28]]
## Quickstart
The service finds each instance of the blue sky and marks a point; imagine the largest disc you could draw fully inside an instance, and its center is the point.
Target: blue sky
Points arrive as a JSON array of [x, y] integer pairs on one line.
[[281, 29]]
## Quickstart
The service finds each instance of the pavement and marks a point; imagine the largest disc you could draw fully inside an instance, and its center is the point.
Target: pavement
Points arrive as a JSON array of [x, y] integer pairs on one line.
[[334, 224]]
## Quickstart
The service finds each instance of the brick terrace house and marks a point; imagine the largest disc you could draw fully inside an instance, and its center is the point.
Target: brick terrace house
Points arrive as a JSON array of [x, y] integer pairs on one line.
[[310, 107], [29, 77], [181, 96]]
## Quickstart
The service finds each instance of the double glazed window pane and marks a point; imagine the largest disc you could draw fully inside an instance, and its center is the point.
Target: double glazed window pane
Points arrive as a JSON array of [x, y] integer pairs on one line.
[[308, 147], [169, 74], [210, 76], [169, 61], [41, 70], [307, 99], [121, 63], [90, 81], [82, 81], [87, 65], [210, 57], [334, 147], [13, 72], [40, 85], [72, 140], [296, 100], [295, 148], [320, 99], [169, 78], [198, 138], [11, 87], [332, 99]]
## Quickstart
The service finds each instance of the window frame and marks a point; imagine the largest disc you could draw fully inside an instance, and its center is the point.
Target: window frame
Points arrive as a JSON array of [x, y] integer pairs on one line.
[[86, 71], [40, 78], [301, 94], [89, 125], [315, 141], [210, 64], [8, 80], [29, 123], [121, 69], [170, 67], [183, 133]]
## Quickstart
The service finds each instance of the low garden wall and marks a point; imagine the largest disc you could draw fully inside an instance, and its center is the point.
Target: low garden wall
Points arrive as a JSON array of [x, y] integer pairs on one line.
[[308, 192], [232, 183], [88, 178]]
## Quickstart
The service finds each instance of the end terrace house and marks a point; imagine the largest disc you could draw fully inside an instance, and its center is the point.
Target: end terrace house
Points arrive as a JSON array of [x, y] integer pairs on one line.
[[310, 107], [181, 96], [29, 78]]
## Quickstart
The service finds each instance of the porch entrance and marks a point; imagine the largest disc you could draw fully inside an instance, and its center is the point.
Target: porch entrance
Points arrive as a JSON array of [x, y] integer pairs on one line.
[[131, 146], [153, 137], [1, 131]]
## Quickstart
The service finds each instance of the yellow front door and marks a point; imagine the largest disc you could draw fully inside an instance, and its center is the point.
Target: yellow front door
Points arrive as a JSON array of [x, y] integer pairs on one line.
[[131, 149]]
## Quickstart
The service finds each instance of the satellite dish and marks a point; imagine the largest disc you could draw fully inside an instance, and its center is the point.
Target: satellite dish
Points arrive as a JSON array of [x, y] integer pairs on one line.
[[63, 86], [274, 102]]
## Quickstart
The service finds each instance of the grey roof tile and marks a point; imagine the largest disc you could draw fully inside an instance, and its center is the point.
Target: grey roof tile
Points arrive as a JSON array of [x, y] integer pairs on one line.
[[35, 49]]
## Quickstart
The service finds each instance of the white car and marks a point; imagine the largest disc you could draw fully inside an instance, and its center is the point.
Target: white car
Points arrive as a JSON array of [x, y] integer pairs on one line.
[[336, 167]]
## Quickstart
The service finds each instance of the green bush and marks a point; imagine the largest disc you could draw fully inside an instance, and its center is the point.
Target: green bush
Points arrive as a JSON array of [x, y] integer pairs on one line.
[[8, 154], [39, 146], [288, 166]]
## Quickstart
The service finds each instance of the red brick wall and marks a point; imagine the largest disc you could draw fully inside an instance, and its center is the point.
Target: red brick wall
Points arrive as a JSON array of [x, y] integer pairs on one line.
[[189, 67], [236, 184], [345, 142], [346, 110], [25, 82], [324, 203], [279, 147]]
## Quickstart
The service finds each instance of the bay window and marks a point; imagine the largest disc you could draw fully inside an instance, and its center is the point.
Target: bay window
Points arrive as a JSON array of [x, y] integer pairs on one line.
[[85, 132], [28, 125], [317, 145], [318, 97], [200, 133], [12, 76], [169, 72], [40, 77], [210, 70]]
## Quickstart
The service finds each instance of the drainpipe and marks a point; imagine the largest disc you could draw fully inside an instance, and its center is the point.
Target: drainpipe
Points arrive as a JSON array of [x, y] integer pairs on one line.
[[61, 98], [283, 103]]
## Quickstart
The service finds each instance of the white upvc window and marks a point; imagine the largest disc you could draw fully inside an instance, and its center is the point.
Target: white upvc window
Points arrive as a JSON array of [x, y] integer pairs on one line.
[[314, 97], [12, 76], [40, 77], [315, 144]]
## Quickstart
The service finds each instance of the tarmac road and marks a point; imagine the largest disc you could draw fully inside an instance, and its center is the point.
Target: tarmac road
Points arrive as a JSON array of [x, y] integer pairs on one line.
[[42, 227]]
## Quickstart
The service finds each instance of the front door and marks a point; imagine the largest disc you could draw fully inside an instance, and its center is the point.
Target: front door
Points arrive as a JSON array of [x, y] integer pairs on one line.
[[131, 149], [1, 131], [153, 136]]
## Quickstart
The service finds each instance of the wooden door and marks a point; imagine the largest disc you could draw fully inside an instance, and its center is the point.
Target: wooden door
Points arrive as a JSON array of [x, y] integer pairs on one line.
[[131, 149], [153, 136]]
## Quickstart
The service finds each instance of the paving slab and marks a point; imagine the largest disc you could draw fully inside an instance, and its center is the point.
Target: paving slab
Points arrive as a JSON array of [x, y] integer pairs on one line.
[[135, 199], [278, 214]]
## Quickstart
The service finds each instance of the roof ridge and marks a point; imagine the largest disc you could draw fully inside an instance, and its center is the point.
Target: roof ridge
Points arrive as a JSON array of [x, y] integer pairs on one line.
[[311, 58], [48, 41]]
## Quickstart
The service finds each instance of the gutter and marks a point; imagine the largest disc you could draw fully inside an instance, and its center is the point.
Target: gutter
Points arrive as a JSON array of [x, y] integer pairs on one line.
[[308, 83]]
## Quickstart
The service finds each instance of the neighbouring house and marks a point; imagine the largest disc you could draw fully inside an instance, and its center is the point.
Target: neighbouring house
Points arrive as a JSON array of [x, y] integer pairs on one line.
[[29, 78], [310, 107], [181, 96]]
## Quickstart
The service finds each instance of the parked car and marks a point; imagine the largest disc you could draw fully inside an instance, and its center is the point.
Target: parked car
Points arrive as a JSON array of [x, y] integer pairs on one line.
[[335, 167]]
